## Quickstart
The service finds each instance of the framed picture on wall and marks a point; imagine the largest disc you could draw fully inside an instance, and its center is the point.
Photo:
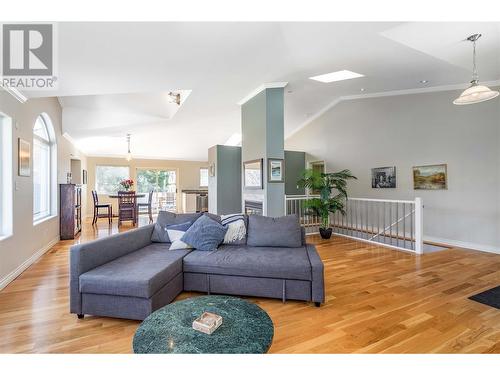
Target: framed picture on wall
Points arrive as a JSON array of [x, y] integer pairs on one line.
[[275, 170], [430, 177], [253, 174], [384, 178], [24, 158]]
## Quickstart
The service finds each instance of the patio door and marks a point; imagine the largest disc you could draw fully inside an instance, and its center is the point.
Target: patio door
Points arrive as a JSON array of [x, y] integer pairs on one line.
[[163, 183]]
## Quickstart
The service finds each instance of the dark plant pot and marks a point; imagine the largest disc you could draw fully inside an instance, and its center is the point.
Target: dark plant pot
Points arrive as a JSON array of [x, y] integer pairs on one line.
[[325, 233]]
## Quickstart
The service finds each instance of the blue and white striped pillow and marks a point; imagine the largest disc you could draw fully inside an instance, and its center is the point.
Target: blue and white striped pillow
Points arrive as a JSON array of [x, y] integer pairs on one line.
[[236, 228]]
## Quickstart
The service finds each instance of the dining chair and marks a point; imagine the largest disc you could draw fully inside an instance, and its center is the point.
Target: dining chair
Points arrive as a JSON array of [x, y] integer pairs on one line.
[[162, 203], [170, 201], [127, 207], [97, 206], [148, 205]]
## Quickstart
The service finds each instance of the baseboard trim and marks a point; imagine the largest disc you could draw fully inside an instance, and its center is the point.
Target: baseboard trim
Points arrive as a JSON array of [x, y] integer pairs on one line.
[[462, 244], [28, 262], [447, 243]]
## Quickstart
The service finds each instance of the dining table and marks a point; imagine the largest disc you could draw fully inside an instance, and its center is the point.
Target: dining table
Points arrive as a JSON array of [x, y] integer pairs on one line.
[[135, 196]]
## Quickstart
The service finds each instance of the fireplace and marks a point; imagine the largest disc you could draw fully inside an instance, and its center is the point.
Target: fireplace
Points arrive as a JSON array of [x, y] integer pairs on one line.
[[253, 208]]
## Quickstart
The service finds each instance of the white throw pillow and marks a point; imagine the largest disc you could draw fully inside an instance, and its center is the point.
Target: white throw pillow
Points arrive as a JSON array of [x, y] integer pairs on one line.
[[179, 245], [175, 236]]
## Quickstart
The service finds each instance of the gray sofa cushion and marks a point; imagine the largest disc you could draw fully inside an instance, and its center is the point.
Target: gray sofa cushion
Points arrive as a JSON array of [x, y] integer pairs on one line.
[[205, 234], [138, 274], [166, 218], [282, 231], [272, 262]]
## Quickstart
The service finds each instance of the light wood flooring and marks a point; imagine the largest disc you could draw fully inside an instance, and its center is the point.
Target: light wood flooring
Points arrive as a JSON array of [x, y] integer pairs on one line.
[[377, 301]]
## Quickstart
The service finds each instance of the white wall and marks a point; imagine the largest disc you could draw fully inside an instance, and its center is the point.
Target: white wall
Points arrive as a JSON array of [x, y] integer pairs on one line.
[[419, 129], [28, 242]]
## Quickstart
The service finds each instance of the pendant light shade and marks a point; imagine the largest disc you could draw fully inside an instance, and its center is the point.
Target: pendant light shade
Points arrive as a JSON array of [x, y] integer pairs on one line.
[[476, 93]]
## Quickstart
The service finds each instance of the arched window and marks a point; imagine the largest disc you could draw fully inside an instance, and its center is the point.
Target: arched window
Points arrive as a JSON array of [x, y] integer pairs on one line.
[[43, 168]]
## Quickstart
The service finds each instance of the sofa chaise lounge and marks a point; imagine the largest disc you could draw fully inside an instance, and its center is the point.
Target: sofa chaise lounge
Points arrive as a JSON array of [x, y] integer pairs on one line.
[[129, 276]]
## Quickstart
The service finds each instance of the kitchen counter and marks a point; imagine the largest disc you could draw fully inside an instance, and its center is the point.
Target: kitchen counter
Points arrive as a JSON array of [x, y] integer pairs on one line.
[[195, 191], [194, 200]]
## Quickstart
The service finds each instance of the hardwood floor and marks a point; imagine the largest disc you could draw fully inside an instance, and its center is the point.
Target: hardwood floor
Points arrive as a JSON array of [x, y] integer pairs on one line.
[[377, 301]]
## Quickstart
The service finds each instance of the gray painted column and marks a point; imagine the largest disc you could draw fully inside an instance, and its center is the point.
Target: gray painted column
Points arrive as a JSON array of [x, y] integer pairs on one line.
[[262, 128], [224, 188]]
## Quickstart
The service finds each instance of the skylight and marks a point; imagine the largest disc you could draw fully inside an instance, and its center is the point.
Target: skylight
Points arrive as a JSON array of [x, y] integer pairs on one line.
[[341, 75]]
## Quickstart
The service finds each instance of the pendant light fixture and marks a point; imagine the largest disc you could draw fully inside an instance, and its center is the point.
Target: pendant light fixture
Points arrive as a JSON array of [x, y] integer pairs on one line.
[[129, 154], [476, 93]]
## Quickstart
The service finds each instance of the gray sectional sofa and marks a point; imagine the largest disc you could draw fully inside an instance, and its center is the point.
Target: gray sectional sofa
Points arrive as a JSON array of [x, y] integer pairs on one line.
[[129, 276]]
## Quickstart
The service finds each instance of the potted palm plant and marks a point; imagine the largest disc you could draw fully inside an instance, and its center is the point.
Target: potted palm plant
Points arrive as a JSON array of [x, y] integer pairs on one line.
[[325, 184]]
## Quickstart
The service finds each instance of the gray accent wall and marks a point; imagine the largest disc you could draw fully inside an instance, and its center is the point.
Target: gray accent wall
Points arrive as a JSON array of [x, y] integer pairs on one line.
[[212, 181], [262, 126], [228, 172], [295, 163], [419, 129], [224, 189]]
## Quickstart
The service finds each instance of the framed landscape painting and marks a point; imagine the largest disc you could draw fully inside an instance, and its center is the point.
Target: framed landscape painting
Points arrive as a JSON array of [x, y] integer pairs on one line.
[[384, 177], [275, 170], [430, 177]]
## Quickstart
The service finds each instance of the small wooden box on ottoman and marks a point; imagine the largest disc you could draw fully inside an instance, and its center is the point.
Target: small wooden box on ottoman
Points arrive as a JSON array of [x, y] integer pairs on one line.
[[207, 323]]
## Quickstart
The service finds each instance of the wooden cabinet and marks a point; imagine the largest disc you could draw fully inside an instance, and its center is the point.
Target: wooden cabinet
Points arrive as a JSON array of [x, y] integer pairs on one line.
[[70, 206]]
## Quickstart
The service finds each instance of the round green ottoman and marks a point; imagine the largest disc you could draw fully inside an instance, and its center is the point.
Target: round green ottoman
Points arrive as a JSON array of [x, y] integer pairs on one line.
[[246, 328]]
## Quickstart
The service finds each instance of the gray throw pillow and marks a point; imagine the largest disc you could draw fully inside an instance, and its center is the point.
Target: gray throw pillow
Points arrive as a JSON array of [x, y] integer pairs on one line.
[[165, 219], [282, 231], [205, 234]]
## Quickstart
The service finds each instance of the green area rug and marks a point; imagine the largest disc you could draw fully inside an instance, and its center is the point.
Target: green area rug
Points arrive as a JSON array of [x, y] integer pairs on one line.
[[246, 328]]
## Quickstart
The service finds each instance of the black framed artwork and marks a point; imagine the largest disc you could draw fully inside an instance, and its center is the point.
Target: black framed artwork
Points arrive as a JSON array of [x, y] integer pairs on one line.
[[253, 174], [384, 178]]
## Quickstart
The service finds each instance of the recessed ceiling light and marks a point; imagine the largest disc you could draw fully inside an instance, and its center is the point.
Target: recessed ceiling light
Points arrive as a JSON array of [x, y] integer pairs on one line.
[[336, 76], [424, 81], [234, 140], [361, 89]]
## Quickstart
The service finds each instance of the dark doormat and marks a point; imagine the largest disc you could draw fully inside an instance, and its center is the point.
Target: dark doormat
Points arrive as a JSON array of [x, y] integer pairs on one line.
[[490, 297]]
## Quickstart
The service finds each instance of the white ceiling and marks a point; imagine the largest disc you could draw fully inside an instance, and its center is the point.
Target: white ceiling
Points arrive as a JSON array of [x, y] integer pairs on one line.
[[114, 77]]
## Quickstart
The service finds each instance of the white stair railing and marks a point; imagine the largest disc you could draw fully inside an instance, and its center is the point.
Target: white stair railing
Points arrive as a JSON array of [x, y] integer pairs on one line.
[[388, 222]]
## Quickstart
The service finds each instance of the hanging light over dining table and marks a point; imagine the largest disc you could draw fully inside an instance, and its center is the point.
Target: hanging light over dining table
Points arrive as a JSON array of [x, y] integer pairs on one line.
[[129, 154]]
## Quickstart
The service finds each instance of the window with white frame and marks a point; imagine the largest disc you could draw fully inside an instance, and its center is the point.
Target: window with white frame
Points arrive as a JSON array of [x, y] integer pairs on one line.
[[203, 177], [43, 168], [108, 177], [5, 176]]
